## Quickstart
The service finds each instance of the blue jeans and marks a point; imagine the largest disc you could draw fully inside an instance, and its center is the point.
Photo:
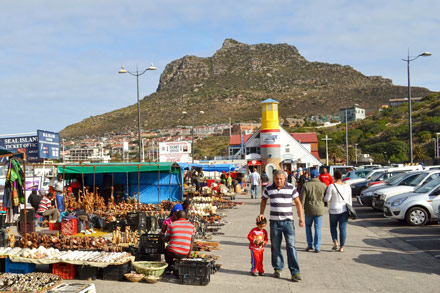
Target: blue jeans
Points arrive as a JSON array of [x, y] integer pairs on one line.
[[254, 189], [316, 243], [342, 219], [277, 229]]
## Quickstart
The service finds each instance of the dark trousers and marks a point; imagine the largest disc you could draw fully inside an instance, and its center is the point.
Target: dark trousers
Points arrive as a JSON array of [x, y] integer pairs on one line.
[[170, 258]]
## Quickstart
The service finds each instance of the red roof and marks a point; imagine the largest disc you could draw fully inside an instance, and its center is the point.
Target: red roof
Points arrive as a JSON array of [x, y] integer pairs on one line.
[[306, 137], [236, 139]]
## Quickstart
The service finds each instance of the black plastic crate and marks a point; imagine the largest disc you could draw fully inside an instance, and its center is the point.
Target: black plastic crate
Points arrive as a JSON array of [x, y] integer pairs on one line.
[[116, 273], [148, 257], [30, 215], [87, 272], [3, 220], [194, 272], [30, 227], [2, 238], [151, 244]]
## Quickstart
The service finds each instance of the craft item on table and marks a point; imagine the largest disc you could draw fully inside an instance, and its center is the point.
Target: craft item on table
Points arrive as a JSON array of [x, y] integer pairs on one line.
[[117, 235], [11, 238], [32, 282]]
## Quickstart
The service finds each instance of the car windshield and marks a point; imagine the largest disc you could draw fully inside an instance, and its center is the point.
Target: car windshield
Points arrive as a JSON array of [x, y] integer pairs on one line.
[[393, 180], [428, 186], [417, 180], [376, 176], [362, 174], [407, 180]]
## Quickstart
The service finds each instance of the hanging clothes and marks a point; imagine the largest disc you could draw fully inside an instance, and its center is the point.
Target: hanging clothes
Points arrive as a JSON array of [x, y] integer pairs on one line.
[[14, 185]]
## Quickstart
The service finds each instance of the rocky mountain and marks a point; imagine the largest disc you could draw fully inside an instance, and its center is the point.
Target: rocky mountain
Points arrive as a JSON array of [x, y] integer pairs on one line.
[[233, 82]]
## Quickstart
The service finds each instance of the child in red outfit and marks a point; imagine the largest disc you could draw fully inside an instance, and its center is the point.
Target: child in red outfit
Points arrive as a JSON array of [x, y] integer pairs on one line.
[[257, 240]]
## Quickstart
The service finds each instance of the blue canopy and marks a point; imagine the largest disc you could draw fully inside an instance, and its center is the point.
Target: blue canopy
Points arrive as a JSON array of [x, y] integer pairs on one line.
[[209, 167]]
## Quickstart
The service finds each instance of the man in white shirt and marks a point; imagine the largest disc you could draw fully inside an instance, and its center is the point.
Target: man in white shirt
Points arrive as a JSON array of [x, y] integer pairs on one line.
[[255, 180]]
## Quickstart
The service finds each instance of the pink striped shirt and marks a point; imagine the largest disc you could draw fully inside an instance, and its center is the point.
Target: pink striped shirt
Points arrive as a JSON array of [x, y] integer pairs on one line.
[[180, 232]]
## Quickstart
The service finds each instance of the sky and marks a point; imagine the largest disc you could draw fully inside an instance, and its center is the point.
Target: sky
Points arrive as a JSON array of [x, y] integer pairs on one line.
[[59, 60]]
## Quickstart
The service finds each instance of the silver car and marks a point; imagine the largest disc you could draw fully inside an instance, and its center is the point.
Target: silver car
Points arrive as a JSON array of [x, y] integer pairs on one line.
[[417, 207]]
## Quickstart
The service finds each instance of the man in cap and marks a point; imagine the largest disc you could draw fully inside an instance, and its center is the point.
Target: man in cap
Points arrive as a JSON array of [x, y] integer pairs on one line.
[[312, 199]]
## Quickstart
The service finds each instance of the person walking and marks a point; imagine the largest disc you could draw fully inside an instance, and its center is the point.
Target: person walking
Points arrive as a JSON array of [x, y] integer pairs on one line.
[[255, 180], [312, 199], [257, 240], [338, 194], [282, 195]]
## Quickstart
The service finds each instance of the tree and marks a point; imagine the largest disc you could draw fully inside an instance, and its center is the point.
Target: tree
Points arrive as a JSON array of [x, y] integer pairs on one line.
[[420, 153]]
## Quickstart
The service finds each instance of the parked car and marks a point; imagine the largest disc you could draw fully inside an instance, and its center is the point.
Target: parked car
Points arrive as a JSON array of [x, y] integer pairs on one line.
[[369, 167], [377, 178], [381, 195], [366, 197], [417, 207], [333, 168], [374, 172], [356, 174]]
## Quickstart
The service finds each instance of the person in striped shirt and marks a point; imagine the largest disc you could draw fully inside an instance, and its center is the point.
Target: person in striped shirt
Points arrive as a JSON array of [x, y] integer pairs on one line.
[[45, 208], [282, 196], [180, 235]]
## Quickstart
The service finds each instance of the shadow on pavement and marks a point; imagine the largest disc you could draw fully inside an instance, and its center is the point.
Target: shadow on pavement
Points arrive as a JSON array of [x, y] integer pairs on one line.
[[397, 261], [245, 244], [234, 272], [408, 230]]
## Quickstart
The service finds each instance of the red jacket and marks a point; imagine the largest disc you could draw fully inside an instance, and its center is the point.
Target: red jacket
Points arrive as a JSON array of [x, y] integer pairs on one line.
[[326, 178], [257, 234]]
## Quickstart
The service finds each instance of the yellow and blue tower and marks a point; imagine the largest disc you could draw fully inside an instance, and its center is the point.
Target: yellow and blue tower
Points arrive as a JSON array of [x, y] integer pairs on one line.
[[270, 134]]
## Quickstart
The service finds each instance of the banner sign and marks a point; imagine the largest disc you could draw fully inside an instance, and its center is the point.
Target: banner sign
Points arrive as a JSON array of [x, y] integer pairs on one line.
[[44, 145], [24, 144], [48, 145], [174, 151]]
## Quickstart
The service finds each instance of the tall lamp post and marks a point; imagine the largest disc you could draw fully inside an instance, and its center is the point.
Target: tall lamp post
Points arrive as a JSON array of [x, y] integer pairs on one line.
[[346, 137], [437, 148], [356, 152], [192, 133], [408, 60], [137, 74]]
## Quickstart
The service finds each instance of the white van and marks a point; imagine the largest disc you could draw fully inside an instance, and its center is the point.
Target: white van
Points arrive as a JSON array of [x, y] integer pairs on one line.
[[333, 168]]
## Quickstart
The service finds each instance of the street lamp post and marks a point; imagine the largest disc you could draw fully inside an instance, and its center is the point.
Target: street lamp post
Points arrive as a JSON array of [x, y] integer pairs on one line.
[[192, 134], [346, 137], [408, 60], [137, 74], [356, 152], [437, 149], [64, 140]]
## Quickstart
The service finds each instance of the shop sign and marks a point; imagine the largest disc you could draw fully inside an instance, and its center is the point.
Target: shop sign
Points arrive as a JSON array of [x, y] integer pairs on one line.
[[23, 144], [48, 145]]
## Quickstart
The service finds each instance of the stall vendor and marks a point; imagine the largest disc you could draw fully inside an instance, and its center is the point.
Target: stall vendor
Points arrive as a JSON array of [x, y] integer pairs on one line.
[[46, 209], [58, 187], [172, 217], [180, 235]]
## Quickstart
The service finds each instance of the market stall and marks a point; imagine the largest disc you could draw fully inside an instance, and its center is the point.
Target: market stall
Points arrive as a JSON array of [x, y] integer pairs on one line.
[[148, 182]]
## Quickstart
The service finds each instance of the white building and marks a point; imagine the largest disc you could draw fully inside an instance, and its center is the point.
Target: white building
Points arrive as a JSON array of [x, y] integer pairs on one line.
[[353, 114]]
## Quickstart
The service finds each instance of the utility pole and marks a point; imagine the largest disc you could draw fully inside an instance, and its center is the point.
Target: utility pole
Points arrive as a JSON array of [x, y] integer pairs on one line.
[[346, 137], [326, 147]]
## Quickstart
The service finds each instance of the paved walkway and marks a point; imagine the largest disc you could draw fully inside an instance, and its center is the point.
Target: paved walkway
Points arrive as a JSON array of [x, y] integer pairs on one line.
[[373, 261]]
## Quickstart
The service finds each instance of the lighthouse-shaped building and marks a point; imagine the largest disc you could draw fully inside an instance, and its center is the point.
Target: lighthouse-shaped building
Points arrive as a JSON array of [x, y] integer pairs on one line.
[[271, 147], [270, 142]]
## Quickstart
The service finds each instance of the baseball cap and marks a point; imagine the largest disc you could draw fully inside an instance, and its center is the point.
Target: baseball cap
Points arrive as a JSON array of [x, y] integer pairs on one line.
[[177, 207], [314, 173]]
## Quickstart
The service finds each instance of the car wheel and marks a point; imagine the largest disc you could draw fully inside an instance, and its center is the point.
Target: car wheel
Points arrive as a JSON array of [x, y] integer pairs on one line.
[[416, 216]]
